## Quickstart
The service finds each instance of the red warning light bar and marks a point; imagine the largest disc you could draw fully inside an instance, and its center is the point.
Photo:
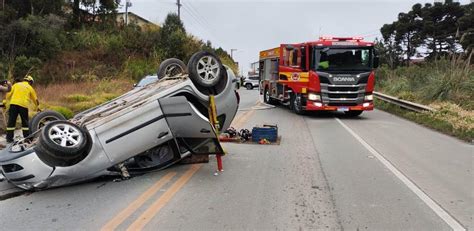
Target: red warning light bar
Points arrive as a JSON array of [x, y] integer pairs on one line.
[[329, 38]]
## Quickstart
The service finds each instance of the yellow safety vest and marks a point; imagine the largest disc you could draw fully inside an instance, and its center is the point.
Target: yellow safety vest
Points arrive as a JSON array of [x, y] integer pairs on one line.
[[21, 94]]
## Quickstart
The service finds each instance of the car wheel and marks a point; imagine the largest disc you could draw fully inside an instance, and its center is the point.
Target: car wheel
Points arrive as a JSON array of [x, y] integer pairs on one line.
[[248, 86], [205, 69], [50, 159], [156, 157], [40, 119], [353, 113], [171, 67], [64, 141], [296, 104], [266, 97]]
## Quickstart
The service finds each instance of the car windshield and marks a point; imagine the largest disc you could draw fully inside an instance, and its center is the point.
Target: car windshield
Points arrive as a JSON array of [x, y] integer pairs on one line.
[[147, 80], [337, 59]]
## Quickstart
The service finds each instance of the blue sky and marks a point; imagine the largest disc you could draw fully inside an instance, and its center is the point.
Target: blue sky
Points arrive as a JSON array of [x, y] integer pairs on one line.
[[250, 26]]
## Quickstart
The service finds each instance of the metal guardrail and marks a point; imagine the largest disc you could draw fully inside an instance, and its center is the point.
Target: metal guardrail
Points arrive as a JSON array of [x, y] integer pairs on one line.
[[403, 103]]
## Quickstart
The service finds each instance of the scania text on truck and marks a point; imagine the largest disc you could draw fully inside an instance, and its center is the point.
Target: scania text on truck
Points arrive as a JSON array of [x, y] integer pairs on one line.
[[330, 74]]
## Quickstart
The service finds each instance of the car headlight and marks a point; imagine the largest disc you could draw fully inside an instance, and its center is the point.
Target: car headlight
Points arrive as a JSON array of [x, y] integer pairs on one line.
[[314, 97], [369, 97]]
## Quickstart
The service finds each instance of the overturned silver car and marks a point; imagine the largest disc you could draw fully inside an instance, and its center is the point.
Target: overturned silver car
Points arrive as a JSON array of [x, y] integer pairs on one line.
[[145, 129]]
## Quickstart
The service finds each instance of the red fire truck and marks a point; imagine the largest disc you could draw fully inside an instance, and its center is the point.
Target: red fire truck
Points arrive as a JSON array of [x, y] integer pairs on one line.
[[330, 74]]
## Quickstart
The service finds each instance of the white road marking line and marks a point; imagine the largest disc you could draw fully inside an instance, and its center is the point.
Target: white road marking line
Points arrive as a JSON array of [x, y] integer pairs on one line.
[[453, 223]]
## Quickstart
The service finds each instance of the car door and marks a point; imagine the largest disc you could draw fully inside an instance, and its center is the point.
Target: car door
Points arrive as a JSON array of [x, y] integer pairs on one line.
[[135, 130], [190, 128]]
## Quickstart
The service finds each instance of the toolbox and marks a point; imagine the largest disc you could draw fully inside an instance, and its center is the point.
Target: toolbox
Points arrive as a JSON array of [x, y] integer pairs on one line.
[[268, 132]]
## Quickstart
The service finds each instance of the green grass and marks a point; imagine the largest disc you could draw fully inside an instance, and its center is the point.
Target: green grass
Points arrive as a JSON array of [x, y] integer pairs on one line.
[[445, 120], [446, 84], [66, 112], [445, 80], [75, 98]]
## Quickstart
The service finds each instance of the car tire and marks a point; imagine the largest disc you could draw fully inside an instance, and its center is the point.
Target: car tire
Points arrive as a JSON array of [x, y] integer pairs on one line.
[[353, 113], [296, 104], [171, 67], [64, 142], [266, 97], [48, 158], [40, 119], [248, 86], [205, 69]]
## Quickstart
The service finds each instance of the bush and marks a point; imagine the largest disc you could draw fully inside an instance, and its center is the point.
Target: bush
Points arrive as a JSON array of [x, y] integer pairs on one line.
[[77, 98], [94, 52], [33, 36], [138, 68], [82, 106], [25, 65], [450, 80], [66, 112]]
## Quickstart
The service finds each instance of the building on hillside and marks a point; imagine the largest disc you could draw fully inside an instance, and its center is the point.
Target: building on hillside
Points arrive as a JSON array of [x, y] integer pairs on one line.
[[133, 19]]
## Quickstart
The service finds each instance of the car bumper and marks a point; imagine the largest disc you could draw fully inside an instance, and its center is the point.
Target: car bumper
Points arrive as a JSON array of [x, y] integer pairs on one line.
[[25, 169], [317, 106]]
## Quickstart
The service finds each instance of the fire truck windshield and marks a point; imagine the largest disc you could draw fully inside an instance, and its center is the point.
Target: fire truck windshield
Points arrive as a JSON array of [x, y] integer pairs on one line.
[[342, 59]]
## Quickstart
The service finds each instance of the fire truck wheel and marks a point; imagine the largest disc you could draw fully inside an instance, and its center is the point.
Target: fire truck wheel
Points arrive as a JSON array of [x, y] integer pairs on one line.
[[205, 69], [296, 104], [266, 97], [171, 67], [353, 113]]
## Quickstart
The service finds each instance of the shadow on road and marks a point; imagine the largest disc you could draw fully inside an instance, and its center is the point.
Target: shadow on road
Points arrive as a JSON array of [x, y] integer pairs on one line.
[[331, 114]]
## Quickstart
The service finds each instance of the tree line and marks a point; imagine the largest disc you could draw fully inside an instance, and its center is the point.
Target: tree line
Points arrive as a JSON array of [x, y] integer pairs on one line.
[[35, 36], [430, 31]]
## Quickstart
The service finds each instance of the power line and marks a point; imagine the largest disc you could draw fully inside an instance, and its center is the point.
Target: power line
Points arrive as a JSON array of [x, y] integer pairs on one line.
[[191, 6], [198, 17], [204, 22], [200, 22], [196, 22]]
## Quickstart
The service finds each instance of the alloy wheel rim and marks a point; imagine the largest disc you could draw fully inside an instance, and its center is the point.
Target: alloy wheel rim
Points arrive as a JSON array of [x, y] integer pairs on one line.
[[45, 121], [173, 70], [208, 69], [65, 135]]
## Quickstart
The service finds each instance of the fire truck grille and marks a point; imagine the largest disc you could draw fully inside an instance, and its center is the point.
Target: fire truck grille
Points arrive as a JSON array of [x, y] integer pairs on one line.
[[342, 95], [356, 88], [348, 96]]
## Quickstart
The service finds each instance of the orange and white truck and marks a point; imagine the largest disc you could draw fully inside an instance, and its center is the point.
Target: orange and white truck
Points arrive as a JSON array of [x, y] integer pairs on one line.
[[330, 74]]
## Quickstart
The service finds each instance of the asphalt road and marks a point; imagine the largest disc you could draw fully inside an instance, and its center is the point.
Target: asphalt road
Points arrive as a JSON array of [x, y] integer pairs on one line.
[[377, 172]]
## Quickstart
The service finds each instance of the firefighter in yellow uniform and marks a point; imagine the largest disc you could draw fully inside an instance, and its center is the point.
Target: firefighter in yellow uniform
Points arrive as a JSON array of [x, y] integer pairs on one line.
[[20, 97]]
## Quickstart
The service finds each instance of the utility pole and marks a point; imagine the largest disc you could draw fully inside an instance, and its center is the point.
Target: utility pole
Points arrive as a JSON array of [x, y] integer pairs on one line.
[[178, 3], [231, 53], [127, 5]]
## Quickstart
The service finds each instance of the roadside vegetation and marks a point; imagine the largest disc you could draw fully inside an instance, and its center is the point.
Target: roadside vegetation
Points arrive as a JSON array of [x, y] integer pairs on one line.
[[80, 56], [434, 69], [71, 98]]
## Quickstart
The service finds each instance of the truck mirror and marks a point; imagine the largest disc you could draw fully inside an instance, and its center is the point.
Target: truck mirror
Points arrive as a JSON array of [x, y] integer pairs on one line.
[[376, 62]]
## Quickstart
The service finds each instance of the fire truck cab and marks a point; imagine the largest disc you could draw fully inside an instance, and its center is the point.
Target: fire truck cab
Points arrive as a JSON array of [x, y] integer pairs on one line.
[[330, 74]]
